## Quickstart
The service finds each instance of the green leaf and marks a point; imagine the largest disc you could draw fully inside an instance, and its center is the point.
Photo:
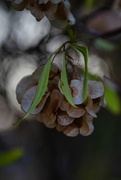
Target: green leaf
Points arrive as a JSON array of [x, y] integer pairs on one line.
[[112, 99], [41, 88], [7, 157], [84, 51], [71, 33], [64, 83], [104, 44], [89, 4]]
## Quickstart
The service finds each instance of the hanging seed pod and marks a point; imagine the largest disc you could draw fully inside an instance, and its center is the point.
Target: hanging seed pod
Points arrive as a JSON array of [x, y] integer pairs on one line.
[[19, 5], [57, 11], [54, 111]]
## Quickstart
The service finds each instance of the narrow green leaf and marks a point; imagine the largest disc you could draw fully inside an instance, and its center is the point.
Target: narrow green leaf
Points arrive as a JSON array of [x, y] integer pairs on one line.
[[41, 88], [84, 51], [64, 83], [112, 99], [71, 33], [7, 157]]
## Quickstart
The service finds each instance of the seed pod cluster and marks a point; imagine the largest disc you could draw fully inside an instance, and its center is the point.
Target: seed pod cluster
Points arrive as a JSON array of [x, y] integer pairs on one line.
[[57, 11], [54, 110]]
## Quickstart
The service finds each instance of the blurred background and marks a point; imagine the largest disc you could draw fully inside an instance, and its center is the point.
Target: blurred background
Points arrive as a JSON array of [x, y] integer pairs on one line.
[[31, 151]]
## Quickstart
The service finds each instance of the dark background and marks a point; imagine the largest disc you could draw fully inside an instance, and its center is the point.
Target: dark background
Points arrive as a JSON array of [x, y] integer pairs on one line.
[[48, 154]]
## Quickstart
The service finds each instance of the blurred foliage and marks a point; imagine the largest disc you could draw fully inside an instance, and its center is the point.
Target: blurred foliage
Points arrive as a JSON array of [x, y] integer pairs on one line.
[[105, 45], [89, 4], [10, 156], [112, 99]]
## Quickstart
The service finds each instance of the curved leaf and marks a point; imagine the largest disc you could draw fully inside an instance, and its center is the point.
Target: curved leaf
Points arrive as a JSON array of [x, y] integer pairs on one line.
[[41, 88], [64, 83], [84, 51]]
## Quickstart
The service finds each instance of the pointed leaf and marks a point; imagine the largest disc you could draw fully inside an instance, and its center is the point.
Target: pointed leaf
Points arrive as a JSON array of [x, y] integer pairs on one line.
[[84, 51], [41, 88], [64, 83]]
